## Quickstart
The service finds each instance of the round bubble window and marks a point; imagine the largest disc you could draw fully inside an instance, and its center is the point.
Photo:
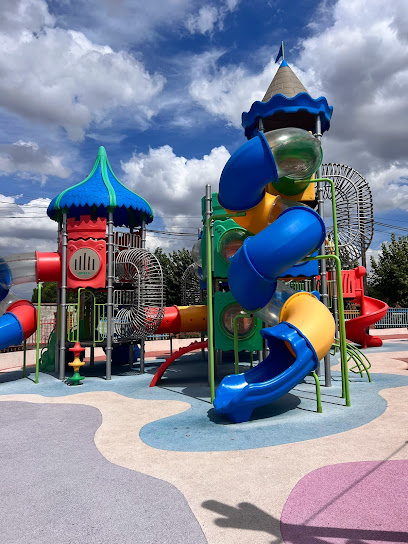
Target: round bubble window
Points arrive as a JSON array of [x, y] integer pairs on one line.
[[245, 325], [230, 242]]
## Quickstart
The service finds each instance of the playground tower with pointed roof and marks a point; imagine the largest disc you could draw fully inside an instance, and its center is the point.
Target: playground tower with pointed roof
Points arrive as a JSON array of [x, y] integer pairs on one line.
[[96, 257]]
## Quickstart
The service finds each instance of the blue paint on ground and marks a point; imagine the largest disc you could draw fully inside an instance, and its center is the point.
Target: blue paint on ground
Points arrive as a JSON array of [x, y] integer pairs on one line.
[[293, 418]]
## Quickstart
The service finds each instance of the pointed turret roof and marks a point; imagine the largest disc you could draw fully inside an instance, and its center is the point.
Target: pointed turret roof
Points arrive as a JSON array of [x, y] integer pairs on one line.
[[286, 104], [285, 82], [100, 193]]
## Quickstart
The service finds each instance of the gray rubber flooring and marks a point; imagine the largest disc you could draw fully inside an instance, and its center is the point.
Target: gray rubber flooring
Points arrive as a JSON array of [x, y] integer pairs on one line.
[[55, 486]]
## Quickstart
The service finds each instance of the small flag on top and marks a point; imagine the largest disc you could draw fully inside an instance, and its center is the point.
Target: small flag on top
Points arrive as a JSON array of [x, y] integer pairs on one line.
[[280, 54]]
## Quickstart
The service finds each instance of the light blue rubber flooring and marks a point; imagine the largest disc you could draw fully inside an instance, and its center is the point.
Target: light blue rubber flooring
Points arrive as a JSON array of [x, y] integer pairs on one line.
[[293, 418]]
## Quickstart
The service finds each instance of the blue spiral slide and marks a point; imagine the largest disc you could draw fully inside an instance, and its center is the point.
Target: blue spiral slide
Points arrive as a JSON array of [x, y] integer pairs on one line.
[[306, 328]]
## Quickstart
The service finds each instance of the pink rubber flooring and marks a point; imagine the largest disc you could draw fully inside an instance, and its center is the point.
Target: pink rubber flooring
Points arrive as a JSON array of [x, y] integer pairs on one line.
[[349, 503]]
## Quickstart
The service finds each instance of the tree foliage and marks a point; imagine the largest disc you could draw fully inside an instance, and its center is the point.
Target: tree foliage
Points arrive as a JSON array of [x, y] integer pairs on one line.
[[388, 280], [173, 264], [49, 294]]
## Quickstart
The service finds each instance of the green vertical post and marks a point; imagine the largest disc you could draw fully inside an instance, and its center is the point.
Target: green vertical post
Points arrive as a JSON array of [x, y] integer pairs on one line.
[[340, 302], [210, 324], [24, 359], [37, 356], [318, 395]]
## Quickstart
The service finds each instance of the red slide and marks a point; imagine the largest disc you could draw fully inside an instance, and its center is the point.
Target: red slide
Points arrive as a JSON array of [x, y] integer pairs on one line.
[[186, 349], [373, 310]]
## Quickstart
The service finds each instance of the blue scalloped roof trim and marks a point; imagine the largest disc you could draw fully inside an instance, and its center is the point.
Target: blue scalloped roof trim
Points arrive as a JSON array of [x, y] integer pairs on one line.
[[79, 200], [281, 103]]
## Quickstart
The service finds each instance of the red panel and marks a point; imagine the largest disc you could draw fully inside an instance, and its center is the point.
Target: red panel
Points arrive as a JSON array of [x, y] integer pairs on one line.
[[171, 321], [48, 266], [98, 281], [86, 228], [26, 314]]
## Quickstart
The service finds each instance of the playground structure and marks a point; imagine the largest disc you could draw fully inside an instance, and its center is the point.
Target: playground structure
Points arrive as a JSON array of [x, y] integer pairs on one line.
[[92, 258], [261, 231], [260, 234]]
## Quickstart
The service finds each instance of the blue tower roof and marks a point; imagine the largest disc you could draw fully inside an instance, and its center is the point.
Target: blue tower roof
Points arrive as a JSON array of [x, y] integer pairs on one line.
[[286, 103], [100, 193]]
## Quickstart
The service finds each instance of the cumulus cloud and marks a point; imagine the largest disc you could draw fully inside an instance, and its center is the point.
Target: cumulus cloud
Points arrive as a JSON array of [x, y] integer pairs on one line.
[[174, 186], [228, 90], [31, 161], [359, 60], [60, 77], [26, 227], [209, 17]]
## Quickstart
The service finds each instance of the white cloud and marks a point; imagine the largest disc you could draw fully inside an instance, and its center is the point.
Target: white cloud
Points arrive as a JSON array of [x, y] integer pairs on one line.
[[26, 227], [358, 59], [29, 160], [210, 17], [204, 21], [60, 77], [174, 186], [226, 91]]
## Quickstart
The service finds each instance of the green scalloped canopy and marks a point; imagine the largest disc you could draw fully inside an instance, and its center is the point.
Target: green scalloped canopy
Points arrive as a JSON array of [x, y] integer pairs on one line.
[[100, 193]]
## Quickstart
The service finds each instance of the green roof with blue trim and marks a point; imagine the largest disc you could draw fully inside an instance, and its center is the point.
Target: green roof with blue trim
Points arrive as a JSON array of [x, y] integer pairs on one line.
[[100, 193]]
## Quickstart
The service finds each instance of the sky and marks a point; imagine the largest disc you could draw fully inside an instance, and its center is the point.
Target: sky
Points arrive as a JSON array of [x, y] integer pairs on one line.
[[162, 85]]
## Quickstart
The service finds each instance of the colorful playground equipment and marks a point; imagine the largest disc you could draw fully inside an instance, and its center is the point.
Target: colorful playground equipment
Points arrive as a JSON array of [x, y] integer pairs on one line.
[[371, 309], [92, 257], [263, 230]]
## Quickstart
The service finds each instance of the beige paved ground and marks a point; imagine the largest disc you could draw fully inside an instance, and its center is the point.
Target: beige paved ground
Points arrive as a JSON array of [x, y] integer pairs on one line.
[[238, 496]]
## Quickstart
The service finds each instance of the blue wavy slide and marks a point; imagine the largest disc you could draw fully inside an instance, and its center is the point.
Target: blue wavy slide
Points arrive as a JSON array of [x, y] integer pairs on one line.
[[304, 327]]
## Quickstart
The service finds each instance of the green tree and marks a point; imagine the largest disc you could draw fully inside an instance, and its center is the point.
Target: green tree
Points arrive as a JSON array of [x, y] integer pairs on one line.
[[388, 280], [173, 264], [49, 294]]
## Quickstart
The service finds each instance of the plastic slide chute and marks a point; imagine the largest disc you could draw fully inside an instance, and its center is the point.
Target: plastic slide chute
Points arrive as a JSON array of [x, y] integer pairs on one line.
[[183, 319], [194, 346], [304, 328], [18, 318], [371, 309]]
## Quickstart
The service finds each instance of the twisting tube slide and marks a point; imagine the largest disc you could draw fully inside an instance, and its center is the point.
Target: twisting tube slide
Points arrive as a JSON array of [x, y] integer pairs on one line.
[[18, 318], [304, 328]]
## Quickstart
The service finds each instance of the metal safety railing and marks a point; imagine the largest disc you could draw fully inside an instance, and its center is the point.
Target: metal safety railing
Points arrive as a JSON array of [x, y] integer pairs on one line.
[[351, 314], [394, 318]]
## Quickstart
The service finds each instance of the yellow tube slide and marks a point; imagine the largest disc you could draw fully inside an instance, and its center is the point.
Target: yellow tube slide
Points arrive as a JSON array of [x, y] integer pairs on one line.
[[312, 318], [193, 318]]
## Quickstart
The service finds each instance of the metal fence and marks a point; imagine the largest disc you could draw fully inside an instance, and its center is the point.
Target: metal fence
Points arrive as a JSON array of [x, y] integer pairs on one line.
[[394, 318], [45, 331]]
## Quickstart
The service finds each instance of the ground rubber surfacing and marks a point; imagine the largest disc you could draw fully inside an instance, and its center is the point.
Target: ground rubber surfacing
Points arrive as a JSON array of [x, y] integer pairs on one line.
[[349, 503], [56, 487]]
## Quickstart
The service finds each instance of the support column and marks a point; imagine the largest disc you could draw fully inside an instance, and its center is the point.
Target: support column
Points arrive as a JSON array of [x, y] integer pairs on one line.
[[208, 213], [142, 341], [109, 306], [58, 316], [63, 296], [322, 251]]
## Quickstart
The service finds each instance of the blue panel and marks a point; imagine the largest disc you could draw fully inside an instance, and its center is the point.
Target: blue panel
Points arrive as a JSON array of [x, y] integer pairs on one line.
[[281, 103], [262, 259], [304, 270], [5, 279], [246, 174], [11, 331], [239, 394]]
